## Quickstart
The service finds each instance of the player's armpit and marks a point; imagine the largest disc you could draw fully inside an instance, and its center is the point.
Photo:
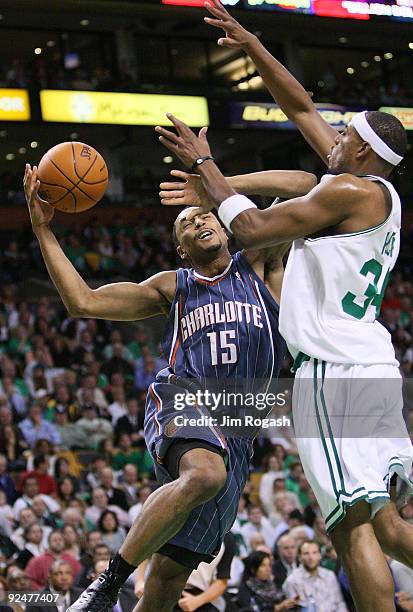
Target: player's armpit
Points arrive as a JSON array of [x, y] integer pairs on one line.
[[328, 205], [130, 301]]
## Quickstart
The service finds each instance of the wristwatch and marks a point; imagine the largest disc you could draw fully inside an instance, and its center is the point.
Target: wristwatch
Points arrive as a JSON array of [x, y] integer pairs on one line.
[[200, 161]]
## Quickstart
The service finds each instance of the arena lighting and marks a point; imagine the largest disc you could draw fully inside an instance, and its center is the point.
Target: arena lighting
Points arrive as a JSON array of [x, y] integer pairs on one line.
[[199, 3], [115, 108], [38, 50], [14, 105], [34, 144]]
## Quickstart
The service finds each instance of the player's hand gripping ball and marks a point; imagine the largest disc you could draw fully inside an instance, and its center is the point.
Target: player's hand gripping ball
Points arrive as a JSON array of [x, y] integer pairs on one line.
[[73, 177]]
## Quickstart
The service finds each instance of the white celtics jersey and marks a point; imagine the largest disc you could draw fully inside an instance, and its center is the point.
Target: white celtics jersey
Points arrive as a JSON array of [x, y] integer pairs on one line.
[[332, 292]]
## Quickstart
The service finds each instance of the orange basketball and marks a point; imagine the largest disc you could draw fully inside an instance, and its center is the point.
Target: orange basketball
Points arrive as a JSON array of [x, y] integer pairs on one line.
[[73, 176]]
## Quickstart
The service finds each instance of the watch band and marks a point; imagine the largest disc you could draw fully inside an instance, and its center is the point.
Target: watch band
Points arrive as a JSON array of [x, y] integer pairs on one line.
[[200, 161]]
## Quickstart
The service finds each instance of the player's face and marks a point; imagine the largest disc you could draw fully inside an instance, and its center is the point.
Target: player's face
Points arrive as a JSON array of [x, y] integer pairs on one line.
[[199, 234], [343, 153]]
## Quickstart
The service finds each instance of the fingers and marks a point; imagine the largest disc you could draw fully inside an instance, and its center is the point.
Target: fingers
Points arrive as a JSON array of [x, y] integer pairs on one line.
[[172, 186], [167, 134], [216, 8], [170, 193], [180, 126], [203, 134], [181, 174], [217, 23], [168, 144], [172, 202], [228, 42]]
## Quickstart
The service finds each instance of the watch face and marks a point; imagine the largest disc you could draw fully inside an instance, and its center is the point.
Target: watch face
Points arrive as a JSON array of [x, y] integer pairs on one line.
[[199, 160]]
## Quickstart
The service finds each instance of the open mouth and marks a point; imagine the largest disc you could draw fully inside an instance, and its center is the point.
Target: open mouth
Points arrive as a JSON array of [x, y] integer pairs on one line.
[[205, 234]]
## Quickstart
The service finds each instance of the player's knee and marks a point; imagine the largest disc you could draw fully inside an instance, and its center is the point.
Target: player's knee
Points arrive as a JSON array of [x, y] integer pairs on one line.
[[389, 532], [203, 483]]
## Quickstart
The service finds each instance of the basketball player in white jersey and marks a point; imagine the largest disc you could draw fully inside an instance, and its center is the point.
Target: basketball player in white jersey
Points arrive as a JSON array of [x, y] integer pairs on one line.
[[346, 237]]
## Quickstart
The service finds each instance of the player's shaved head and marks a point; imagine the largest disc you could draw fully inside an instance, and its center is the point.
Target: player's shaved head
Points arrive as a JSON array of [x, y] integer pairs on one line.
[[389, 129], [182, 215]]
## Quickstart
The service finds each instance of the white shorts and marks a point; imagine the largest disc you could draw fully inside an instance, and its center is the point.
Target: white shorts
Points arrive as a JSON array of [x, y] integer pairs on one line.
[[350, 434]]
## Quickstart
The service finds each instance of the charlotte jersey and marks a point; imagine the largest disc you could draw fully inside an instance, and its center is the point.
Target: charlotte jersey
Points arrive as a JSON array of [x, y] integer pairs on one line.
[[332, 292], [224, 327]]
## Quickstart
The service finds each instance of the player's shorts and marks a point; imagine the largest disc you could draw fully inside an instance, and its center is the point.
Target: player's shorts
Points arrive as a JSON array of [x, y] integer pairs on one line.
[[350, 434], [206, 526]]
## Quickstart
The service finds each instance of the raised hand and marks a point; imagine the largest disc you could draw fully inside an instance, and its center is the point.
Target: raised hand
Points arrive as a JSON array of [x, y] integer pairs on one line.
[[41, 213], [188, 192], [185, 144], [236, 37]]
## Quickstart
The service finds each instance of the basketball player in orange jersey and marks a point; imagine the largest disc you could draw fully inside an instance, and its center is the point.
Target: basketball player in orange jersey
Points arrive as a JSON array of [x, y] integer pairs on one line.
[[222, 321]]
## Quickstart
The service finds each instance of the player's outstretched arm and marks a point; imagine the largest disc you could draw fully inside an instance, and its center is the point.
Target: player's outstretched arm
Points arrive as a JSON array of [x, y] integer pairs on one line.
[[288, 93], [189, 191], [330, 203], [118, 301]]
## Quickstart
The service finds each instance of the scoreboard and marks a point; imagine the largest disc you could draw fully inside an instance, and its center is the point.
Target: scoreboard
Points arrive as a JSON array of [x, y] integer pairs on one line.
[[345, 9]]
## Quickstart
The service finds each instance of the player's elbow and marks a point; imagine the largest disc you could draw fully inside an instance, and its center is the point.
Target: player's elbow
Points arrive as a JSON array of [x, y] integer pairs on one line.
[[307, 182], [81, 307]]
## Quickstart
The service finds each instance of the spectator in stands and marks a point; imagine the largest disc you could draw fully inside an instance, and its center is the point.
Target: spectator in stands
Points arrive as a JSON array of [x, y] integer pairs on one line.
[[72, 541], [286, 550], [118, 407], [116, 496], [34, 427], [207, 584], [12, 443], [109, 350], [96, 428], [258, 523], [143, 495], [258, 591], [6, 513], [6, 482], [131, 423], [95, 395], [65, 491], [314, 584], [146, 370], [38, 568], [117, 364], [100, 504], [46, 483], [99, 552], [26, 517], [43, 513], [272, 468], [17, 580], [60, 582], [33, 544], [16, 399], [72, 435], [128, 483], [126, 454], [295, 519], [72, 516], [30, 491], [113, 534]]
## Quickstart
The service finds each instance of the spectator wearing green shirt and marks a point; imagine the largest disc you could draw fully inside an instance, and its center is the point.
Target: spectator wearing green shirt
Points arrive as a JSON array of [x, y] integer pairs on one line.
[[129, 454], [293, 481]]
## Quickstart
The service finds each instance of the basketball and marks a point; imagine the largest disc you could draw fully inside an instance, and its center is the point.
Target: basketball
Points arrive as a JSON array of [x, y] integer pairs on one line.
[[73, 176]]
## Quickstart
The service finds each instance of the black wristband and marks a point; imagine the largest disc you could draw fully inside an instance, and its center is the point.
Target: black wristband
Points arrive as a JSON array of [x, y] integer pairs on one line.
[[200, 161]]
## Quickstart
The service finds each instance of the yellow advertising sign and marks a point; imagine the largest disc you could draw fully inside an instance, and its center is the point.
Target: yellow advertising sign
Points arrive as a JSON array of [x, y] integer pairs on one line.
[[405, 115], [121, 108], [14, 105]]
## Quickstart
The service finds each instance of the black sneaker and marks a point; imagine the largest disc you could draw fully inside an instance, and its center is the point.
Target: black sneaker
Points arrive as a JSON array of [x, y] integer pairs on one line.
[[100, 596]]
